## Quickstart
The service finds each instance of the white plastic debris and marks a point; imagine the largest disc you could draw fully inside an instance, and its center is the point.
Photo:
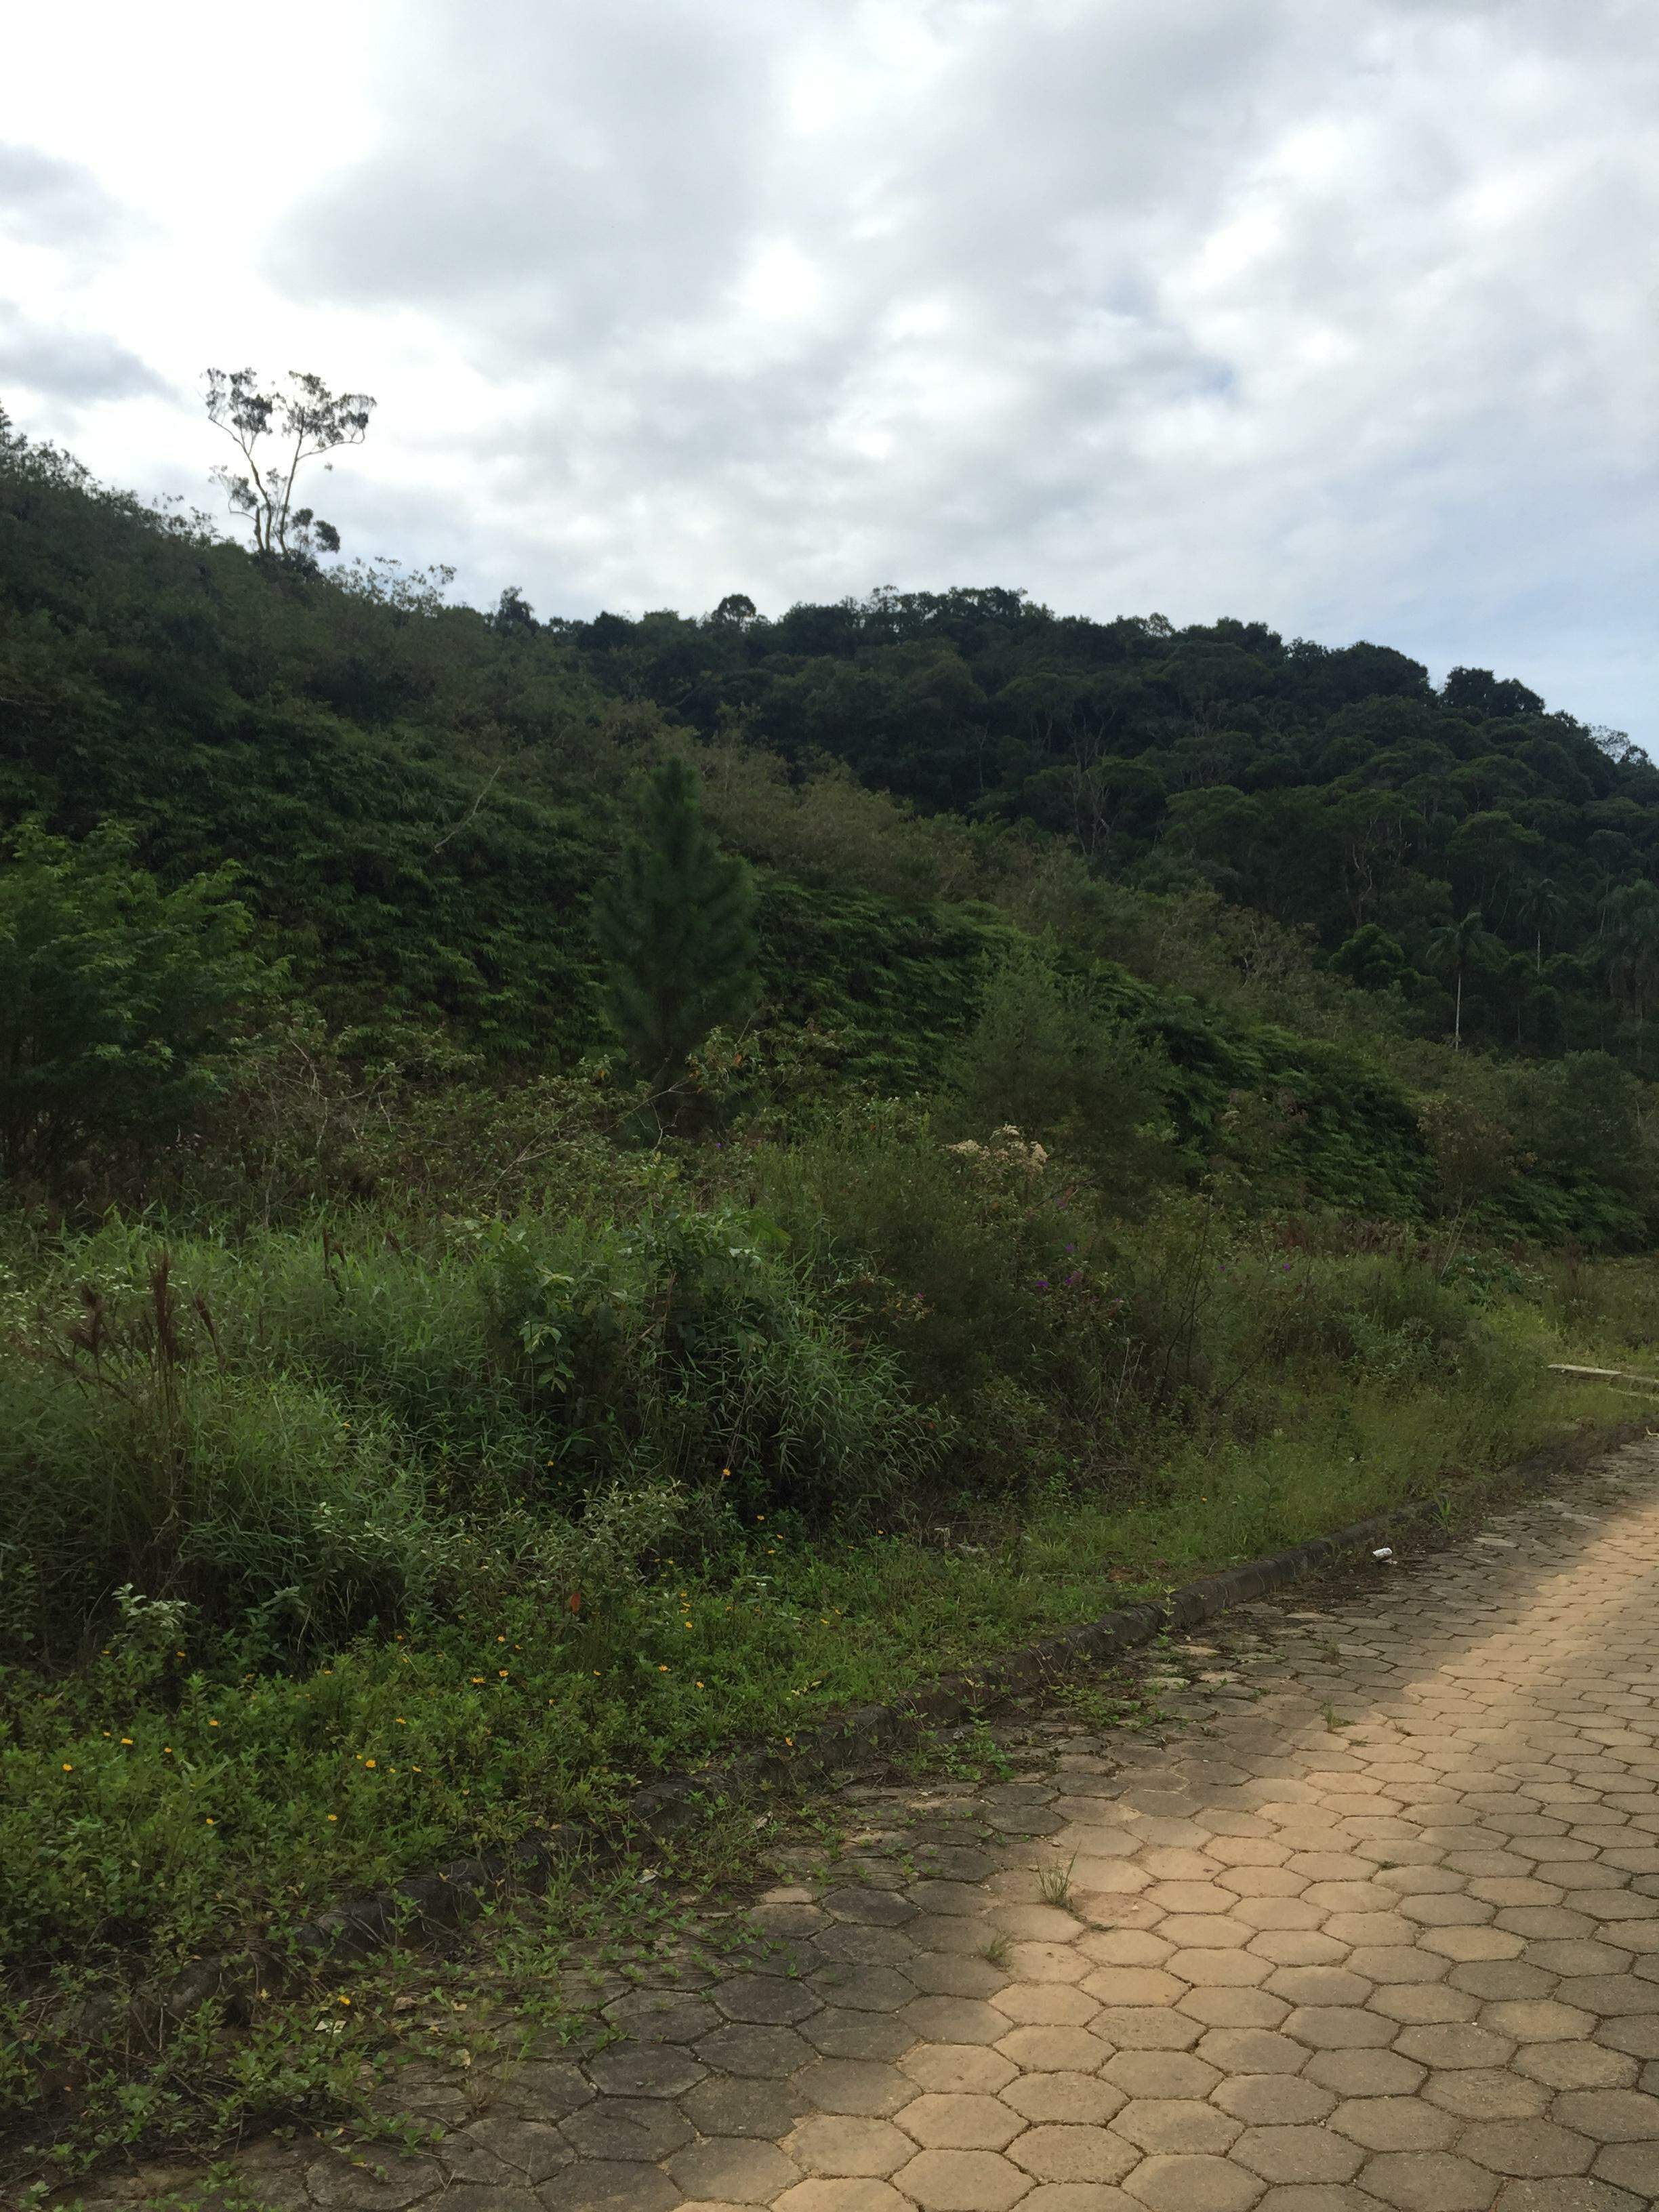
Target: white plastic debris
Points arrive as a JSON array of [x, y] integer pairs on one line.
[[1383, 1552]]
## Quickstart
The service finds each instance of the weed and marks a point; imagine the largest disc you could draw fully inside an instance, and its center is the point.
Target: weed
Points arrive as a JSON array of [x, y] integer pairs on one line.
[[1054, 1884]]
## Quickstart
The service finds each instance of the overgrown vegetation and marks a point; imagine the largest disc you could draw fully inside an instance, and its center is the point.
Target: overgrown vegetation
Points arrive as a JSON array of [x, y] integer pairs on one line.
[[502, 1295]]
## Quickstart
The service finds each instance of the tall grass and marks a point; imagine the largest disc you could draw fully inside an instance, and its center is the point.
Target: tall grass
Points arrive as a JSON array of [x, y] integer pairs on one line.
[[328, 1551]]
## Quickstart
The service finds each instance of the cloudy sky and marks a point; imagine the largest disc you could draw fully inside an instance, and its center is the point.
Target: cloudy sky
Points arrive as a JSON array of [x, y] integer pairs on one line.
[[1337, 313]]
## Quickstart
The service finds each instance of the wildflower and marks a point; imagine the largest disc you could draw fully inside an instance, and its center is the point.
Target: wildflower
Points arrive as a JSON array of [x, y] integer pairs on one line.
[[69, 1767], [478, 1679], [500, 1672], [211, 1821], [213, 1723], [368, 1762], [662, 1670], [333, 1816], [700, 1686], [126, 1739], [400, 1722]]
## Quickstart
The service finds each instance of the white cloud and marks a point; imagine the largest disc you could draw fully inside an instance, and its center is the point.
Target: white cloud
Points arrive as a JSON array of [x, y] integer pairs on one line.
[[1339, 317]]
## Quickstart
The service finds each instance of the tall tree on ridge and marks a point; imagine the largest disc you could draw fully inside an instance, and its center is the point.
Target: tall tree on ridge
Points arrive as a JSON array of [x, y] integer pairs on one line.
[[305, 419]]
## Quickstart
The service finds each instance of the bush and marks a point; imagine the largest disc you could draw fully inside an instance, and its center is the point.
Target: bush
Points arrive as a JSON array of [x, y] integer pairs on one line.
[[120, 1004], [1039, 1057], [289, 1434]]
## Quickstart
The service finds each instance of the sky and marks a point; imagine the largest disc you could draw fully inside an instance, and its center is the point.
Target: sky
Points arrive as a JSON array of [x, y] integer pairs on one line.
[[1337, 314]]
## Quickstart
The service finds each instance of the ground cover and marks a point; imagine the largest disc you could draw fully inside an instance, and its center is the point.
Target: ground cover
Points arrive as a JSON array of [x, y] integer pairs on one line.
[[383, 1641]]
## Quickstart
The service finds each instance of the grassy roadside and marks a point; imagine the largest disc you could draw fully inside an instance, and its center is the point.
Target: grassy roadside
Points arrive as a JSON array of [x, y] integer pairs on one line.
[[240, 1805]]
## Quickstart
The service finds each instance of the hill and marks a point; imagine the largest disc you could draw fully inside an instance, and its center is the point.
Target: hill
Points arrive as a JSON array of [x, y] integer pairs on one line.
[[1242, 849]]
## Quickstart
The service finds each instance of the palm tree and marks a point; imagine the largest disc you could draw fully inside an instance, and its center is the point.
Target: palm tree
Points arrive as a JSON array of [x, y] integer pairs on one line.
[[1630, 926], [1453, 945], [1542, 902]]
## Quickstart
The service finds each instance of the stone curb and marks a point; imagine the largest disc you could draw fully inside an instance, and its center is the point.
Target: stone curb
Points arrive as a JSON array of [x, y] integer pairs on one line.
[[449, 1894]]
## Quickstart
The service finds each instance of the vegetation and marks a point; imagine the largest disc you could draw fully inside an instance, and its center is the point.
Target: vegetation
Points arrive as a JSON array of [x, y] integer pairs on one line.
[[673, 927], [578, 1193]]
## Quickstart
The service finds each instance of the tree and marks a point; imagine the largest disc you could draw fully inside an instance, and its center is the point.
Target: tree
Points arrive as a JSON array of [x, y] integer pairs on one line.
[[1629, 923], [1454, 946], [1371, 958], [674, 926], [301, 418], [119, 1002], [1541, 904]]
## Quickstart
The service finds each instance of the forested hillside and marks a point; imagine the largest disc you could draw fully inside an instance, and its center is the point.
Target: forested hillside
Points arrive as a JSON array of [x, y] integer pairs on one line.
[[1297, 872], [572, 1194], [1330, 788]]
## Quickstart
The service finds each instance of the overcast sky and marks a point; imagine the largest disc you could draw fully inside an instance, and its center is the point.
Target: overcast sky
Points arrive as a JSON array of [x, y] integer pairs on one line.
[[1336, 313]]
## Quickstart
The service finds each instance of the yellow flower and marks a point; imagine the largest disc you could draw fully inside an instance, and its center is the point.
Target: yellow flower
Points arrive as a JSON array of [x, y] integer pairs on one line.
[[213, 1723], [662, 1670], [126, 1739], [333, 1816], [368, 1762], [67, 1767], [502, 1672], [210, 1821], [401, 1722]]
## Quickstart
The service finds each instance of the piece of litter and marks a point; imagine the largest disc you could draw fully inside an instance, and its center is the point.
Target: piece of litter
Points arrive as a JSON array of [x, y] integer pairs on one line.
[[1383, 1552]]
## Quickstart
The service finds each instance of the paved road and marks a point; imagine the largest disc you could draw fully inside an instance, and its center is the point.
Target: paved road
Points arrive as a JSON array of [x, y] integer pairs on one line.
[[1378, 1927]]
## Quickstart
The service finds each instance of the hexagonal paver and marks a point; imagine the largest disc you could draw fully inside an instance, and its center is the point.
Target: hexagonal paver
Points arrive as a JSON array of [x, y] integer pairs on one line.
[[1533, 2149], [661, 2016], [613, 2128], [875, 1908], [869, 2088], [1192, 2185], [644, 2070], [961, 2120], [1061, 2152], [1430, 2181], [841, 2145], [962, 2068], [1395, 2124], [1297, 2156], [596, 2185], [766, 2053], [769, 2000], [732, 2169], [962, 2181], [1609, 2115], [824, 2195], [736, 2105], [1073, 2098]]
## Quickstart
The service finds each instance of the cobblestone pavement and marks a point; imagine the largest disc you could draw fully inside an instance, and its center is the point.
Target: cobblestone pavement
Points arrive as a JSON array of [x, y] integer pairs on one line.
[[1376, 1924]]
